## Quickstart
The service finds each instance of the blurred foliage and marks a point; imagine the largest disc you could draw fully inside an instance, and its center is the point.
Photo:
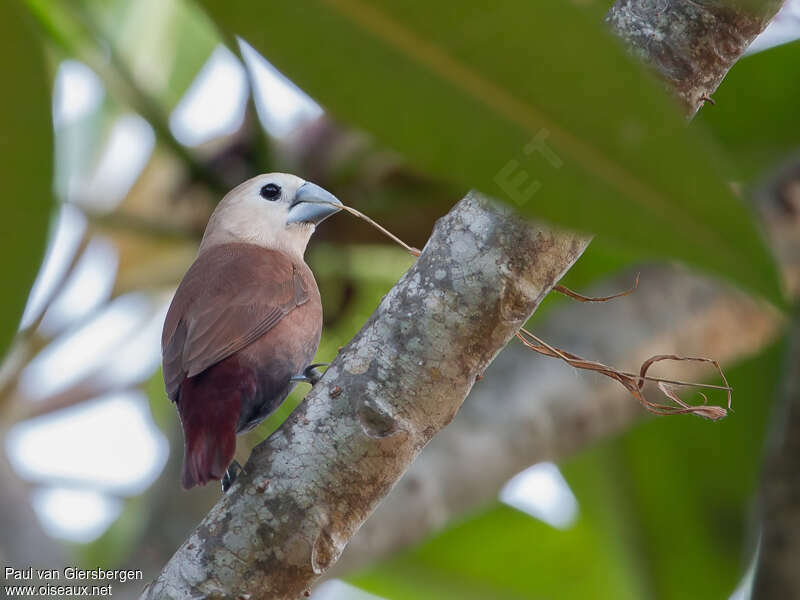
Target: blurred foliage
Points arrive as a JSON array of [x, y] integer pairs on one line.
[[664, 513], [146, 68], [470, 87], [26, 168], [755, 115], [163, 44], [160, 407], [115, 546], [460, 90]]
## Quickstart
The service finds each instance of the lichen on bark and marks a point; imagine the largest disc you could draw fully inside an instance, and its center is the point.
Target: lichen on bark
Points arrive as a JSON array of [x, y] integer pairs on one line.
[[690, 44]]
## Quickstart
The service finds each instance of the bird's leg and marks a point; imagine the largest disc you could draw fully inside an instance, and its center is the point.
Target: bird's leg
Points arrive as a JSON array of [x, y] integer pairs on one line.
[[231, 473], [309, 375]]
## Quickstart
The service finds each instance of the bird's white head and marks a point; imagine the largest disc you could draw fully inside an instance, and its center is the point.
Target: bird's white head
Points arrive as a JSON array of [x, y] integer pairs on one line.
[[276, 211]]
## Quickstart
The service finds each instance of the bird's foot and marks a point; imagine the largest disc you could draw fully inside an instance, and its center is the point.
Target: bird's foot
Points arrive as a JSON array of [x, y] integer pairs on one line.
[[310, 374], [230, 476]]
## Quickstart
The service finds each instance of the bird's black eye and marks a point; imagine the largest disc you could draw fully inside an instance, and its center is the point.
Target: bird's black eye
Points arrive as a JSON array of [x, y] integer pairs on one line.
[[271, 191]]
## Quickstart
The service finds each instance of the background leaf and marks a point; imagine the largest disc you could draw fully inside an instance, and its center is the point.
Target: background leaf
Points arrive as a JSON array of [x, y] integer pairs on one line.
[[26, 144], [481, 93], [505, 554]]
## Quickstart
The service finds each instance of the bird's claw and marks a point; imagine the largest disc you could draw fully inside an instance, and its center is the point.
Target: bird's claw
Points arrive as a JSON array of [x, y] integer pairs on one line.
[[231, 473], [309, 375]]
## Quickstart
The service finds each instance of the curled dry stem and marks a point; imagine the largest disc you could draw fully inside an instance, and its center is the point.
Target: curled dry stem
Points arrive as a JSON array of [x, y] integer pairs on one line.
[[633, 382], [581, 298]]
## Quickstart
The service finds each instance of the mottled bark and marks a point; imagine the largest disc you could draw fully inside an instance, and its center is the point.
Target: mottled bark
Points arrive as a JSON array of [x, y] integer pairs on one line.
[[309, 487], [690, 43]]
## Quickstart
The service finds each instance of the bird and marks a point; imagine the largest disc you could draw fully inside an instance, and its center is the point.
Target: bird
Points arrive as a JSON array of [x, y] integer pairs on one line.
[[246, 319]]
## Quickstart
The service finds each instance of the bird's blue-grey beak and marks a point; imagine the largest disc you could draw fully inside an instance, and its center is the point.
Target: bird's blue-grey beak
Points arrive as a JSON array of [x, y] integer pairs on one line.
[[312, 204]]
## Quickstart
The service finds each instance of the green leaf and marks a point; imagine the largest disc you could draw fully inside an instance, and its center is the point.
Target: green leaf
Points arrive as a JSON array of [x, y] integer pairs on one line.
[[195, 39], [755, 115], [503, 554], [481, 93], [26, 170]]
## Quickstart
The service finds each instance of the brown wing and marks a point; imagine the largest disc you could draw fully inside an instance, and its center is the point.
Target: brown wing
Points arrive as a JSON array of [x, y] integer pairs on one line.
[[232, 295]]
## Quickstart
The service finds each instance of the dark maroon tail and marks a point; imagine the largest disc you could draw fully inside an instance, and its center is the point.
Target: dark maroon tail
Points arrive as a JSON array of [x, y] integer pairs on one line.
[[206, 458], [209, 406]]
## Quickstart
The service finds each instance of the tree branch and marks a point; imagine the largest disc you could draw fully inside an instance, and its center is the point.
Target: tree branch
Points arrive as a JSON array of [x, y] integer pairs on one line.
[[690, 44], [527, 409], [309, 487]]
